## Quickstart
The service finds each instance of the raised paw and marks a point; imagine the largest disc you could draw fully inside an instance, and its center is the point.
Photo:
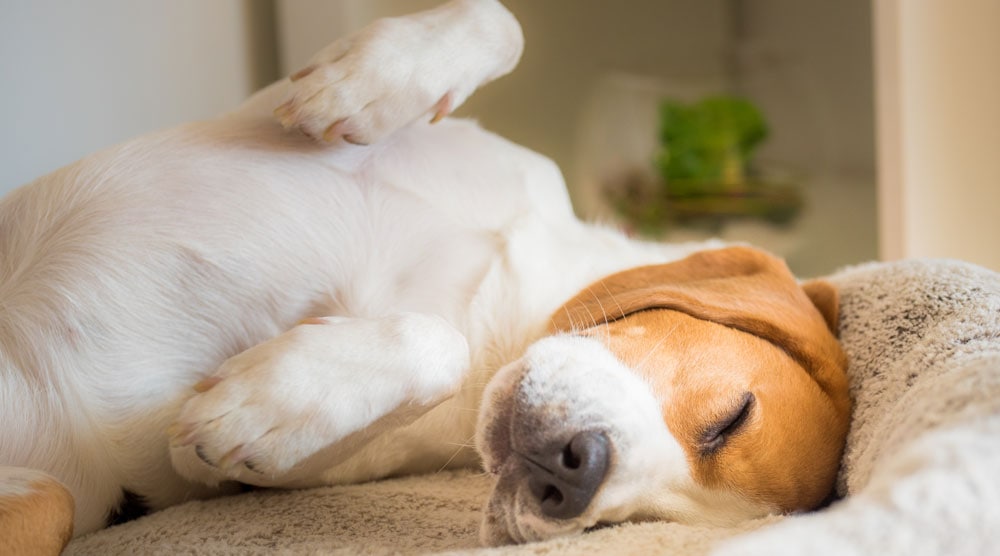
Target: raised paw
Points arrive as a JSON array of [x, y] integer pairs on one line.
[[397, 70], [273, 406], [366, 86]]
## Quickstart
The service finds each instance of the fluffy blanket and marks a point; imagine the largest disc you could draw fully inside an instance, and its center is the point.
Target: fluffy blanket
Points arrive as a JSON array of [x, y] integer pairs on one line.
[[921, 473]]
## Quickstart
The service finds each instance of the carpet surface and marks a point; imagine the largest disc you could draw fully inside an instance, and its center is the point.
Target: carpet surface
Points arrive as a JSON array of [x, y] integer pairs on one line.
[[920, 475]]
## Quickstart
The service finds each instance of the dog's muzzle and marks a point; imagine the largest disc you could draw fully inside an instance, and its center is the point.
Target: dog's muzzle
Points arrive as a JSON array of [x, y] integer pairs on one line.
[[549, 432]]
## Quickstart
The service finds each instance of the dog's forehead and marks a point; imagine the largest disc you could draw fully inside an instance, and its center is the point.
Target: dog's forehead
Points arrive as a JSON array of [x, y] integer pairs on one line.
[[690, 362]]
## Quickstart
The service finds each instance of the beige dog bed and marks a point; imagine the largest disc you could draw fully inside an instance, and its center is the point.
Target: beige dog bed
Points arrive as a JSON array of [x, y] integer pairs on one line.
[[921, 473]]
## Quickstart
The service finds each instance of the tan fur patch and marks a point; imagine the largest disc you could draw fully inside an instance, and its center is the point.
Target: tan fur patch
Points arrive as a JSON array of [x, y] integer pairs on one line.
[[38, 520]]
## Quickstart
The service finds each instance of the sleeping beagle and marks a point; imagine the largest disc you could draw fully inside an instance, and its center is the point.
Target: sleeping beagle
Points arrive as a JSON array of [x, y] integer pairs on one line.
[[357, 293]]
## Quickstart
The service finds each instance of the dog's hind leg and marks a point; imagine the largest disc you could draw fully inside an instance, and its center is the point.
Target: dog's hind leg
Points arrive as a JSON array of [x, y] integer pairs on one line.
[[397, 70]]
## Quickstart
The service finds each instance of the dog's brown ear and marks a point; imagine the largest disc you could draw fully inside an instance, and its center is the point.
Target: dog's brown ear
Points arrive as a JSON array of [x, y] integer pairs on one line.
[[743, 288], [735, 280], [826, 299]]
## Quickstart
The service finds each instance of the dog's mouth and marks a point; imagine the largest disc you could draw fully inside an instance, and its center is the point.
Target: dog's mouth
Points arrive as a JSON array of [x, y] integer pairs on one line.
[[494, 442], [513, 514]]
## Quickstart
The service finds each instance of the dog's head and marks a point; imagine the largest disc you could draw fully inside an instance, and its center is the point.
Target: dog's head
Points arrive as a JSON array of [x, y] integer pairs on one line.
[[709, 390]]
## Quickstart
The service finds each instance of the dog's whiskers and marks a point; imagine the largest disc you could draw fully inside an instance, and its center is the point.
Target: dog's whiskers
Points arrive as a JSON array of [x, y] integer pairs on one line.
[[604, 312], [461, 446], [621, 311]]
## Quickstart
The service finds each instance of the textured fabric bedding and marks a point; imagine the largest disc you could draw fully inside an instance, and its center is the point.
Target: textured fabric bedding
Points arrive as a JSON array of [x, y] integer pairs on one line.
[[921, 473]]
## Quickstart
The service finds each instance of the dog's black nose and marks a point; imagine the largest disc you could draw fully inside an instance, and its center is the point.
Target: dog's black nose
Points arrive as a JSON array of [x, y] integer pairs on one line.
[[565, 476]]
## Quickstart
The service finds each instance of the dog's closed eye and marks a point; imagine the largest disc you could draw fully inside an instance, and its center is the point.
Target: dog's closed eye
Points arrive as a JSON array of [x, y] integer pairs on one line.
[[716, 435]]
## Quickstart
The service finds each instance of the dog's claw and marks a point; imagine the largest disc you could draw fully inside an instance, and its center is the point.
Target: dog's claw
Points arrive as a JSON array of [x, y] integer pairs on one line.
[[442, 108], [336, 129], [173, 431], [283, 113], [206, 384], [352, 140], [303, 72], [180, 435], [237, 456], [249, 464], [200, 452]]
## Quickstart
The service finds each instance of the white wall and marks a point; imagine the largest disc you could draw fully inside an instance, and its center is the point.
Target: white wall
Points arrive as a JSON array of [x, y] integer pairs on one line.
[[79, 76], [939, 129]]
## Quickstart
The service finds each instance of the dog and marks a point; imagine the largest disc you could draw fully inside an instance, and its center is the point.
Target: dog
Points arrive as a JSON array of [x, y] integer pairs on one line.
[[336, 283]]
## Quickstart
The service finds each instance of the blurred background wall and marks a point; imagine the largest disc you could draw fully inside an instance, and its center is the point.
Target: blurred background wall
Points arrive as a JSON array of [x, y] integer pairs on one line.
[[79, 76]]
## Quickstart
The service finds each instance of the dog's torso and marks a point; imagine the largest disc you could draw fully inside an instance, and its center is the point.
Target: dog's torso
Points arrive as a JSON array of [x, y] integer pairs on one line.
[[173, 252]]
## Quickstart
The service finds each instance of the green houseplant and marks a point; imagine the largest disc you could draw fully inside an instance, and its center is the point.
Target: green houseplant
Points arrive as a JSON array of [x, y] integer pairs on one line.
[[705, 169]]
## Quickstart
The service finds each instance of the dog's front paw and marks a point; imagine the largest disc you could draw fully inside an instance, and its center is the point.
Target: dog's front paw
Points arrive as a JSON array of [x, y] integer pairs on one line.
[[274, 405]]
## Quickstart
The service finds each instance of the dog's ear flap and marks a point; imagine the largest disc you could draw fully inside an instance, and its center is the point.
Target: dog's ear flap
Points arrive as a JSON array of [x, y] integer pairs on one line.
[[743, 288], [717, 281], [826, 299]]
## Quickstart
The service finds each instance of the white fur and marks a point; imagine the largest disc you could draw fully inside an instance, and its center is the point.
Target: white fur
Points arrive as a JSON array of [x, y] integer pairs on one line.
[[436, 255]]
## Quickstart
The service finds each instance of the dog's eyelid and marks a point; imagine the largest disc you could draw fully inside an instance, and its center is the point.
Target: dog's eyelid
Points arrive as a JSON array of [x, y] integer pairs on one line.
[[716, 434]]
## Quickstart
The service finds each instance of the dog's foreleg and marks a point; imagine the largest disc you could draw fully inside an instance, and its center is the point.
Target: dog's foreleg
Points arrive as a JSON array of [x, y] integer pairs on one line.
[[273, 406]]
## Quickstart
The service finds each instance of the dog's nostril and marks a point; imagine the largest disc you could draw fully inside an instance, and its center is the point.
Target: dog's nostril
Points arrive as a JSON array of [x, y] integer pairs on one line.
[[552, 495], [570, 459], [564, 476]]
